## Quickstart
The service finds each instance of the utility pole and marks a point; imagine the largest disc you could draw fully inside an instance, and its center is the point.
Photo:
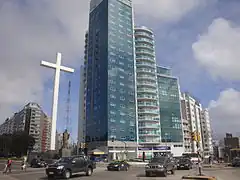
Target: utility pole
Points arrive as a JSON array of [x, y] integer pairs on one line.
[[196, 137]]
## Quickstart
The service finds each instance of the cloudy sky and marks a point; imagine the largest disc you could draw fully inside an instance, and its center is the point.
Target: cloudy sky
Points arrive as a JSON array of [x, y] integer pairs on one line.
[[199, 39]]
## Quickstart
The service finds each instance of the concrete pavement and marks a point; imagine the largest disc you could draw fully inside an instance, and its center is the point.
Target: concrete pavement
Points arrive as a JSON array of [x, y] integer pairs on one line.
[[133, 174]]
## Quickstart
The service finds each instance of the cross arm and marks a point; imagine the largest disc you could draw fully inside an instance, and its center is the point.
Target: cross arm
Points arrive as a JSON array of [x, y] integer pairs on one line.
[[48, 64], [66, 69]]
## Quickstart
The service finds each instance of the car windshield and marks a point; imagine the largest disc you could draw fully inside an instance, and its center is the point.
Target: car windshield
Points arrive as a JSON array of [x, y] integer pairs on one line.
[[64, 159], [157, 160], [183, 160]]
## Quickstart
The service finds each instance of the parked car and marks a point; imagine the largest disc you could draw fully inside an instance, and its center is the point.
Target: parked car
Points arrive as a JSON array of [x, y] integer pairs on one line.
[[118, 166], [68, 166], [160, 165], [236, 162], [38, 163], [184, 163]]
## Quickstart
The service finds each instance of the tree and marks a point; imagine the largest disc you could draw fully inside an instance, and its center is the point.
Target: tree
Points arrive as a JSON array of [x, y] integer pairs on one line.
[[21, 143]]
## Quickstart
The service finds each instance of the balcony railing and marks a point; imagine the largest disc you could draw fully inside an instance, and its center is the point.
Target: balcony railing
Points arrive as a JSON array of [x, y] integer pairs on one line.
[[148, 111], [147, 104], [138, 39], [153, 78], [145, 58], [145, 70], [147, 90], [147, 97]]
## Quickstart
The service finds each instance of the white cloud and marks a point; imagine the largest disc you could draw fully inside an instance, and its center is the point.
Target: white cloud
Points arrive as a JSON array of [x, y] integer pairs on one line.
[[218, 50], [166, 10], [225, 112], [33, 30]]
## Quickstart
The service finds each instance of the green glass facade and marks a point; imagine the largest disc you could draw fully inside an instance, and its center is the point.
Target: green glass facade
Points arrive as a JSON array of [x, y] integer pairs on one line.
[[170, 108]]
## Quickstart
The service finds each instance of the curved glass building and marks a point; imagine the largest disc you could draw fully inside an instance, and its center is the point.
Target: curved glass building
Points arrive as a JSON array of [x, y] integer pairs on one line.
[[149, 131]]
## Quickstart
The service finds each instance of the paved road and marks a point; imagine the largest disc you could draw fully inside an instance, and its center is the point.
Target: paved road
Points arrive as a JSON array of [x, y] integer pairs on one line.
[[133, 174]]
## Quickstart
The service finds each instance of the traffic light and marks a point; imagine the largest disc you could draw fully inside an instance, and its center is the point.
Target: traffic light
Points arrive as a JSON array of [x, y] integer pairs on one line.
[[193, 135], [198, 137]]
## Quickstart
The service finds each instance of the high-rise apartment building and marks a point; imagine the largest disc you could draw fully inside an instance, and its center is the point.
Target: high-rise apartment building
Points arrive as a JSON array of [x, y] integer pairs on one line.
[[159, 113], [206, 133], [149, 131], [32, 120], [110, 79], [191, 117]]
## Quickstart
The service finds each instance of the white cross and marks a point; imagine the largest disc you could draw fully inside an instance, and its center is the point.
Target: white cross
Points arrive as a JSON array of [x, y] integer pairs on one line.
[[57, 68]]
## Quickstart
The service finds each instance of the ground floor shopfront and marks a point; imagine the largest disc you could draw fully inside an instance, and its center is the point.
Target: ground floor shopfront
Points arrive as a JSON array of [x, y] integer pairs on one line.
[[156, 150]]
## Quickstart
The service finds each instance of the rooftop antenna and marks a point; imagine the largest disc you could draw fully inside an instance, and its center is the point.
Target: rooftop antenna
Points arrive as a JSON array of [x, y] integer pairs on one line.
[[68, 108]]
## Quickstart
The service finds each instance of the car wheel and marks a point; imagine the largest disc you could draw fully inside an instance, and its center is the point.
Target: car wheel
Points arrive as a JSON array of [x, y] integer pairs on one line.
[[147, 174], [50, 176], [89, 171], [165, 174], [67, 174]]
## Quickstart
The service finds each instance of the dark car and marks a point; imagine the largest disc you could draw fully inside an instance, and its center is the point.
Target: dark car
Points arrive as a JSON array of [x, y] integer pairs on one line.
[[38, 163], [184, 163], [68, 166], [160, 165], [236, 162], [118, 166]]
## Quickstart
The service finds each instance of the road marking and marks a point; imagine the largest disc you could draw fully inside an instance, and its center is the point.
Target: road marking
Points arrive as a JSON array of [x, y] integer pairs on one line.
[[28, 173]]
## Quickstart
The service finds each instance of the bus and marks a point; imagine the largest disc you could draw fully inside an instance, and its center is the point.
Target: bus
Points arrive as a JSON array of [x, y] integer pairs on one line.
[[192, 156]]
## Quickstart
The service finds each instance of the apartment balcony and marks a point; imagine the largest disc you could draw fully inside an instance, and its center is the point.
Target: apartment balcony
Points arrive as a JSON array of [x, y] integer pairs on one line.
[[148, 134], [148, 119], [147, 97], [144, 46], [146, 64], [145, 71], [145, 58], [148, 126], [139, 33], [147, 104], [145, 77], [148, 111], [145, 52], [144, 40], [146, 90], [147, 84]]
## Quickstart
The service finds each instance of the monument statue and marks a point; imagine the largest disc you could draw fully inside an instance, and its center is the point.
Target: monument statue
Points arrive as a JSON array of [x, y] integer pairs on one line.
[[66, 137]]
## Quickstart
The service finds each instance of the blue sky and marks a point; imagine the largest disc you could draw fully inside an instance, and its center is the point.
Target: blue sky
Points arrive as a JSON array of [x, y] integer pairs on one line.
[[198, 39]]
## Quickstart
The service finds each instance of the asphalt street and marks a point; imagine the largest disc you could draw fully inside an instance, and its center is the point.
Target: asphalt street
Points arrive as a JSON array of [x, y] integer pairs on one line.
[[134, 173]]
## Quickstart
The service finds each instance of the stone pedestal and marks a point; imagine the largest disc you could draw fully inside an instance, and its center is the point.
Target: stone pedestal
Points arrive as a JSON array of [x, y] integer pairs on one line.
[[64, 152]]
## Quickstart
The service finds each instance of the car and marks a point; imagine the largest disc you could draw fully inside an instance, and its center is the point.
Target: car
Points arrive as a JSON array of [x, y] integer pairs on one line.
[[38, 163], [68, 166], [160, 165], [184, 163], [236, 162], [118, 166]]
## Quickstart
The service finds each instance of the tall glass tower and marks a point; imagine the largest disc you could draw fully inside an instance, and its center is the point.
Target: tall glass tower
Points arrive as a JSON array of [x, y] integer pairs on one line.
[[110, 92]]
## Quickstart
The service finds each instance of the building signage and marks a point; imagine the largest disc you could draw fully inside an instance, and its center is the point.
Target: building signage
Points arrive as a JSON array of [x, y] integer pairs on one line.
[[144, 148], [162, 148]]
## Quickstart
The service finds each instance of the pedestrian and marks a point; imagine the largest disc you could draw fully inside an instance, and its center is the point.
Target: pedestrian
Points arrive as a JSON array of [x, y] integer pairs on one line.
[[210, 160], [8, 166], [24, 164]]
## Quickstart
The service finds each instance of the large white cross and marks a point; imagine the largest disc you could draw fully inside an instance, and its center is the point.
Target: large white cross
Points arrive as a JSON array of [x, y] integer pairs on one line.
[[57, 68]]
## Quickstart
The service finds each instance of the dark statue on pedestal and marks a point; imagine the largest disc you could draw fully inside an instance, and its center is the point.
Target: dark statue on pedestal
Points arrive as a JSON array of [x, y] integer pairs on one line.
[[66, 137], [65, 150]]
